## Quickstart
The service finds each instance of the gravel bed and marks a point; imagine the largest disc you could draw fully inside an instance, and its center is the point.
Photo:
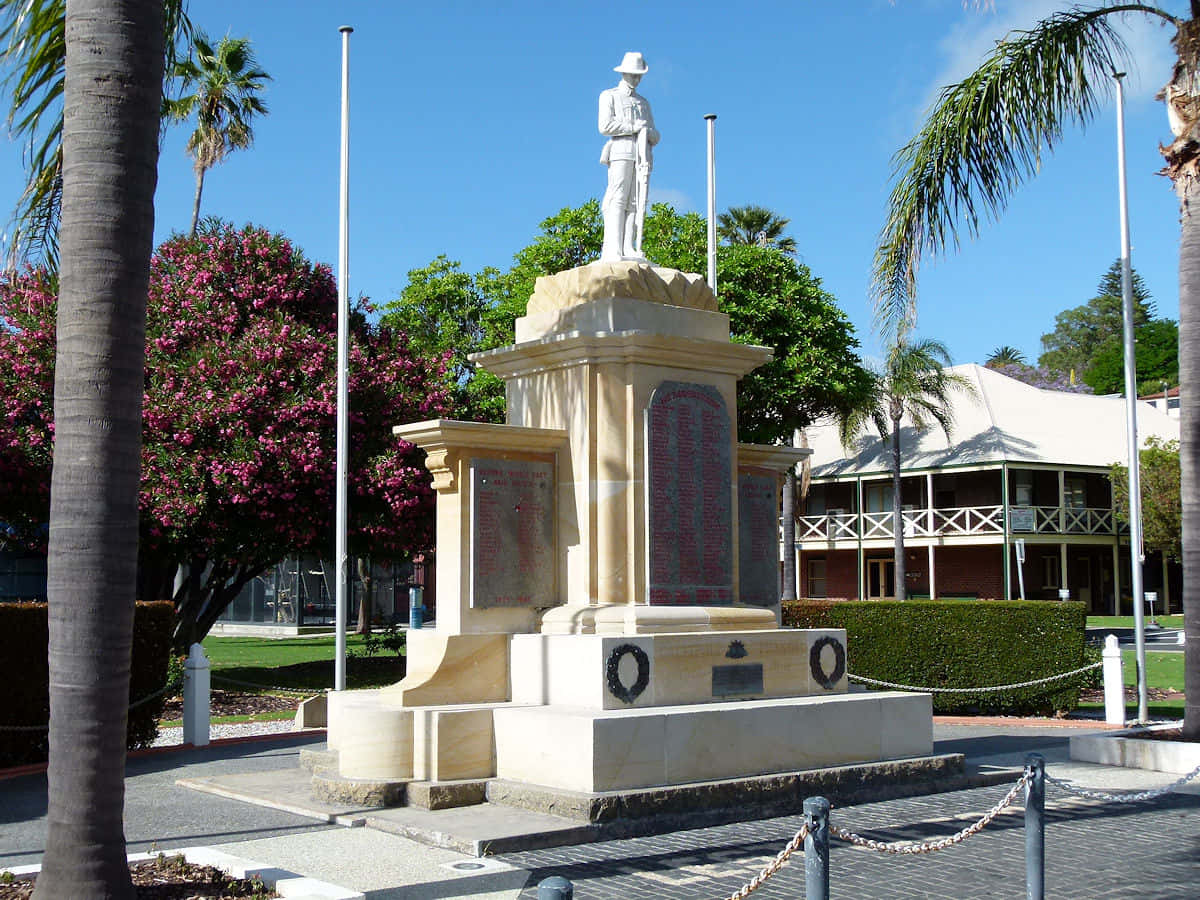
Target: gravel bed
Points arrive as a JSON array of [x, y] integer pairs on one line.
[[172, 737]]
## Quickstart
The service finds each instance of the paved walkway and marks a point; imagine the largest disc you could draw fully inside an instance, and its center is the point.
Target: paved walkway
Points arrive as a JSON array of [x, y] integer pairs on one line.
[[1093, 850]]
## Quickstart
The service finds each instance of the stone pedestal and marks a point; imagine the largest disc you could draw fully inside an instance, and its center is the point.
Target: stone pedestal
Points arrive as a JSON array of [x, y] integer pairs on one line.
[[608, 571]]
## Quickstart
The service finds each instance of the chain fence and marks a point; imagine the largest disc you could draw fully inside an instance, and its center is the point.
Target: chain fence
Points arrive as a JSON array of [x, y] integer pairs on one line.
[[974, 690], [300, 692], [1126, 796], [772, 867], [169, 686]]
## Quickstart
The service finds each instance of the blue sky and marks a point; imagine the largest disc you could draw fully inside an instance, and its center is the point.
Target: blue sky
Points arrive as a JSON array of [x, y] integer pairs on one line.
[[472, 122]]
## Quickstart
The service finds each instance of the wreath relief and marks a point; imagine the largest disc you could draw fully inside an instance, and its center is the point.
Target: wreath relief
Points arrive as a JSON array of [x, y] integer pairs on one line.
[[819, 675], [613, 673]]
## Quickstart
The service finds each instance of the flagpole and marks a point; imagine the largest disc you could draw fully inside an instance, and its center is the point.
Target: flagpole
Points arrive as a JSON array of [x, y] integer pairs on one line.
[[343, 388], [1135, 489], [711, 119]]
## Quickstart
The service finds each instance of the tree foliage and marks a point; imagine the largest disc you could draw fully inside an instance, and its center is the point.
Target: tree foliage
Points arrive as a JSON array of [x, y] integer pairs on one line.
[[238, 443], [1156, 360], [1162, 507], [1041, 377], [224, 81], [32, 47], [1081, 332], [1005, 355], [755, 225], [770, 299]]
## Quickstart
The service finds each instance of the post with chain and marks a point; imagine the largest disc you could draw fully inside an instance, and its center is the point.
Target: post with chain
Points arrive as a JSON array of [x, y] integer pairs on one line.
[[555, 888], [816, 849], [196, 697], [1035, 827]]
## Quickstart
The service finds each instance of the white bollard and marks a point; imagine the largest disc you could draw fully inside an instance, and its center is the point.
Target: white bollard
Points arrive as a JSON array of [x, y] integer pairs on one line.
[[1114, 682], [196, 684]]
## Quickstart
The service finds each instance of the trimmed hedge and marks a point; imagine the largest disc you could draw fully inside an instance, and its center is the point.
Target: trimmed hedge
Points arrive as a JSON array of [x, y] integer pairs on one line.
[[961, 643], [24, 672]]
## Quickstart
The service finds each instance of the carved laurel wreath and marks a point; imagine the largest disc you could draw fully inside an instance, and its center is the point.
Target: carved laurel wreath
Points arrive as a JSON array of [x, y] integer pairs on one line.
[[827, 681], [613, 673]]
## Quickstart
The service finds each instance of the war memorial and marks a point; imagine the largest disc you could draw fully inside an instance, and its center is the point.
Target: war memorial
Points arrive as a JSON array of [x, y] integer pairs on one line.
[[608, 560]]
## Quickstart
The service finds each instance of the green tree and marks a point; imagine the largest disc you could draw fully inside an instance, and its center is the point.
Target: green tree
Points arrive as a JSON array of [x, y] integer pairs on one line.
[[989, 132], [32, 45], [225, 83], [1156, 359], [913, 382], [755, 225], [1081, 332], [442, 311], [1162, 514], [111, 93], [1005, 356]]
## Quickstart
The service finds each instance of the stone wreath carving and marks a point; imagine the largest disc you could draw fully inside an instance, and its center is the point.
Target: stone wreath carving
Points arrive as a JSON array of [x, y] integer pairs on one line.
[[613, 673], [827, 681]]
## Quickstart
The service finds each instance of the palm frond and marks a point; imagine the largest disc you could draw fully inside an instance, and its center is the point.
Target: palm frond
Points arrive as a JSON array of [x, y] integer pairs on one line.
[[985, 136], [33, 49]]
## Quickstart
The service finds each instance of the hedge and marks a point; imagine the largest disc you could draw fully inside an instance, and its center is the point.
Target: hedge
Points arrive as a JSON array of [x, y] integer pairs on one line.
[[23, 671], [961, 643]]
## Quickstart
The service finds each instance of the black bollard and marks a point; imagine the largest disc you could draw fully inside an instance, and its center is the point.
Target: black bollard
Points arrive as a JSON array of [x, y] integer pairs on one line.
[[1035, 828], [816, 849], [555, 888]]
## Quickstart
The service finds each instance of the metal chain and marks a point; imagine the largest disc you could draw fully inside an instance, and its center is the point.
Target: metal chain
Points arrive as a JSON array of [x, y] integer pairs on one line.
[[263, 687], [1126, 797], [773, 866], [931, 846], [134, 705], [972, 690]]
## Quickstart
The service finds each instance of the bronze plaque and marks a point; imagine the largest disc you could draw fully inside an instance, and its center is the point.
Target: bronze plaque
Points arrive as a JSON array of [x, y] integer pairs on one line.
[[738, 680], [689, 481], [512, 533]]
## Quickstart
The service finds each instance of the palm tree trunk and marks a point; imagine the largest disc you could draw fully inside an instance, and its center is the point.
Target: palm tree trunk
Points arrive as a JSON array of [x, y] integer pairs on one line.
[[1188, 189], [196, 202], [114, 59], [897, 512]]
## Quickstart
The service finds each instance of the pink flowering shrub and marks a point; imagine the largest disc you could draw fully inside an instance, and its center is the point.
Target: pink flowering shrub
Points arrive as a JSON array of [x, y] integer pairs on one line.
[[238, 418]]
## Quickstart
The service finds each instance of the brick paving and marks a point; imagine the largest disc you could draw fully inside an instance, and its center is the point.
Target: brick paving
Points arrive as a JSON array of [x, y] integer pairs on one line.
[[1093, 850]]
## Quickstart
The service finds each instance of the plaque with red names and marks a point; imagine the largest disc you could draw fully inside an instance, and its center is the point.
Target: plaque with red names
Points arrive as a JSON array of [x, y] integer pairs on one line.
[[512, 533], [689, 487]]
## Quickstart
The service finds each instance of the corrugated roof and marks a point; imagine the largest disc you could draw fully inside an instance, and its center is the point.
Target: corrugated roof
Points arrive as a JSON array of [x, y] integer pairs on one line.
[[1007, 421]]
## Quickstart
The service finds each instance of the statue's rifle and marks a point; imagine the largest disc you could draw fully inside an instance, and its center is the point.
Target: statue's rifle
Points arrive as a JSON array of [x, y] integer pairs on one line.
[[643, 185]]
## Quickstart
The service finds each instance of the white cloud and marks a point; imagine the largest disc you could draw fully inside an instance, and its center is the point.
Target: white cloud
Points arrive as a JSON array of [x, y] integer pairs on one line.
[[968, 41], [676, 198]]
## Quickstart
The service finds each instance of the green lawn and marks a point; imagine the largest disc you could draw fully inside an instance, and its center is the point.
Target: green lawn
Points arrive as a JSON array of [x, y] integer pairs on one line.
[[1163, 670], [1127, 621], [303, 663]]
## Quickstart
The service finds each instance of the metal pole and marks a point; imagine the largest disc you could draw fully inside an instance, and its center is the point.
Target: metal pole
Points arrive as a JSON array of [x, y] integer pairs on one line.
[[1135, 489], [711, 119], [555, 888], [816, 849], [1035, 828], [343, 389]]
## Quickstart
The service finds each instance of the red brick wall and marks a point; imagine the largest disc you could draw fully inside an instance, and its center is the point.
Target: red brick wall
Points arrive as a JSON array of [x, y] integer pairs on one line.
[[960, 570]]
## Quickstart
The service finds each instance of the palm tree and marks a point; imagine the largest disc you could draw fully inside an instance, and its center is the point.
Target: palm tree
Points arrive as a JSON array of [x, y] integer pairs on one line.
[[1005, 355], [913, 383], [986, 134], [32, 45], [112, 93], [755, 225], [226, 81]]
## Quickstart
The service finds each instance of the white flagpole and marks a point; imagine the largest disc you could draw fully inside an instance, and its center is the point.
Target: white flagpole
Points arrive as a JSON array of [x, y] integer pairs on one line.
[[1135, 490], [711, 119], [343, 389]]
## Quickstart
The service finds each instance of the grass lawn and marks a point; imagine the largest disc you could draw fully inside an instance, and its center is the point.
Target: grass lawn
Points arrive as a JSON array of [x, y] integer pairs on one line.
[[1163, 671], [1127, 621], [302, 663]]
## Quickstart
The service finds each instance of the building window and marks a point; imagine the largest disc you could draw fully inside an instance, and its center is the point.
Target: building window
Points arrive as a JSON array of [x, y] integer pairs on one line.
[[1023, 488], [1050, 572], [879, 498], [816, 578], [1076, 493]]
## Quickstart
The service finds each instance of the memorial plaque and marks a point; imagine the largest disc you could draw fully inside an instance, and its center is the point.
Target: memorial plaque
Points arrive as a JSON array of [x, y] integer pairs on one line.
[[737, 680], [689, 479], [512, 533], [758, 537]]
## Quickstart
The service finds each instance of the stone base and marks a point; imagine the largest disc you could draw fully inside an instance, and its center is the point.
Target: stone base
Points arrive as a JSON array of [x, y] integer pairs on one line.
[[1131, 749], [592, 750], [644, 619], [603, 671]]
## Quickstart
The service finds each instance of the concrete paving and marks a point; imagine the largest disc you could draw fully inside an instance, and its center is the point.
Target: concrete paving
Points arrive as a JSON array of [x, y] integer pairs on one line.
[[1093, 849]]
